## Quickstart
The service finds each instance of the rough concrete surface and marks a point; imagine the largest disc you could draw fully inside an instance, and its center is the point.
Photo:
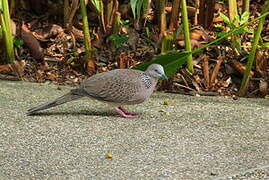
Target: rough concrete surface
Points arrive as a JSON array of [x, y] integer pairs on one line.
[[191, 138]]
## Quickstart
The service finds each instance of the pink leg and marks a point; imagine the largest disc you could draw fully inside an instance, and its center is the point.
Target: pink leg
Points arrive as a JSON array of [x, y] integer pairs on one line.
[[123, 113], [126, 111]]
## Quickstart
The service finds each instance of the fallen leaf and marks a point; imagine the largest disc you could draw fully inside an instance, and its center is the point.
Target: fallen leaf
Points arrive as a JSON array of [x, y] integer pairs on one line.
[[32, 43], [109, 155], [91, 67], [166, 102]]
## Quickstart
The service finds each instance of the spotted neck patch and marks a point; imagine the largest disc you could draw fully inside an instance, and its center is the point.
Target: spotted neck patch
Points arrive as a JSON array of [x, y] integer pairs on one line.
[[146, 80]]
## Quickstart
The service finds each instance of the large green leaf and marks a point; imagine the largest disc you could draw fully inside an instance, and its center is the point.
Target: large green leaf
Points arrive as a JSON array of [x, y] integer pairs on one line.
[[133, 7], [171, 62]]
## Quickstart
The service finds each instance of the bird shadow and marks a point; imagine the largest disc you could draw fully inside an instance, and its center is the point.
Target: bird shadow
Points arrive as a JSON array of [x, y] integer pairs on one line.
[[76, 113]]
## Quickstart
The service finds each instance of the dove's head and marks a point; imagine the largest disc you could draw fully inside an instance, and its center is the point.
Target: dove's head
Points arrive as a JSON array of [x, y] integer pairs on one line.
[[156, 71]]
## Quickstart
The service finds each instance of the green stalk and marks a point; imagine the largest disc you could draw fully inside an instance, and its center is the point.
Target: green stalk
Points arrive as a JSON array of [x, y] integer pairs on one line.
[[186, 34], [232, 14], [251, 56], [246, 6], [162, 17], [167, 43], [232, 9], [116, 23], [108, 12], [86, 32], [6, 28]]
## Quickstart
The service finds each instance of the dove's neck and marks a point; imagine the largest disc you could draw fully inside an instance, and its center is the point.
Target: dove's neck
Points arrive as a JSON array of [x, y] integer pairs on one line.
[[148, 81]]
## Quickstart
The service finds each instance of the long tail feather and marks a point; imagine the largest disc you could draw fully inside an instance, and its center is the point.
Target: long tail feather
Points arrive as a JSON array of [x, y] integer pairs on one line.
[[61, 100]]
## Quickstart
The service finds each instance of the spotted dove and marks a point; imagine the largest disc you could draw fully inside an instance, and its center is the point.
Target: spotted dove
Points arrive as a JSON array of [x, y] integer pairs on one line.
[[117, 87]]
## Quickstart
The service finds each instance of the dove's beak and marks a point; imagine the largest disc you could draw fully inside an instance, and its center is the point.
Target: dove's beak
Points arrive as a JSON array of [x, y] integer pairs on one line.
[[164, 76]]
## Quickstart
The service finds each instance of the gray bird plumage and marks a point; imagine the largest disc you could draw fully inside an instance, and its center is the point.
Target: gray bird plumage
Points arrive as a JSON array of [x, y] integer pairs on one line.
[[117, 87]]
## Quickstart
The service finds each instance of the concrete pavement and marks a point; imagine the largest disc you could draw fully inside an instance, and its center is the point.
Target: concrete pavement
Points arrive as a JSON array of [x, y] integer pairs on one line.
[[191, 138]]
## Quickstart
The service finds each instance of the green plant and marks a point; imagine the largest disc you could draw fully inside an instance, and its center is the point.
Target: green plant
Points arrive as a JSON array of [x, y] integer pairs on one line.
[[98, 4], [6, 30], [125, 23], [186, 34], [237, 21], [74, 55], [86, 32], [161, 16], [252, 54], [167, 43], [118, 39], [139, 7], [18, 43], [246, 5], [171, 62], [243, 19]]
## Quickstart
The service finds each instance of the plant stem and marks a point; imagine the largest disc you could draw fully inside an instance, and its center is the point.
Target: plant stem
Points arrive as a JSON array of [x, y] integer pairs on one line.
[[186, 34], [251, 57], [167, 43], [7, 33], [232, 9], [197, 5], [162, 17], [246, 6], [86, 32], [108, 12], [174, 15], [232, 14], [116, 23]]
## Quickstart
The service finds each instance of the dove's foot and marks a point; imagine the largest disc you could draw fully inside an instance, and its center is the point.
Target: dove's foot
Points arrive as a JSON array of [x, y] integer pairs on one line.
[[124, 113]]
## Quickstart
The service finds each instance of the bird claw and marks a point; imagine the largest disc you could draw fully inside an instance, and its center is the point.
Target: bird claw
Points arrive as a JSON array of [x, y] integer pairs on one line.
[[124, 113]]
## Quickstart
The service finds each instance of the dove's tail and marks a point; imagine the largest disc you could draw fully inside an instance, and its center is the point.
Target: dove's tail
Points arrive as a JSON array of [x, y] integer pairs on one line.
[[61, 100]]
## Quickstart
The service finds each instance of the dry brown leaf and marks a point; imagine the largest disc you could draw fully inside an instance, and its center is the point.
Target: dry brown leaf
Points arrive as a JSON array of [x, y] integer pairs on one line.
[[218, 6], [124, 9], [196, 34], [77, 33], [191, 11], [217, 19], [261, 61], [91, 67], [48, 31], [194, 43], [168, 9], [32, 43], [15, 68], [125, 61], [206, 71], [240, 68], [263, 87], [216, 70], [6, 68], [196, 84], [13, 27]]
